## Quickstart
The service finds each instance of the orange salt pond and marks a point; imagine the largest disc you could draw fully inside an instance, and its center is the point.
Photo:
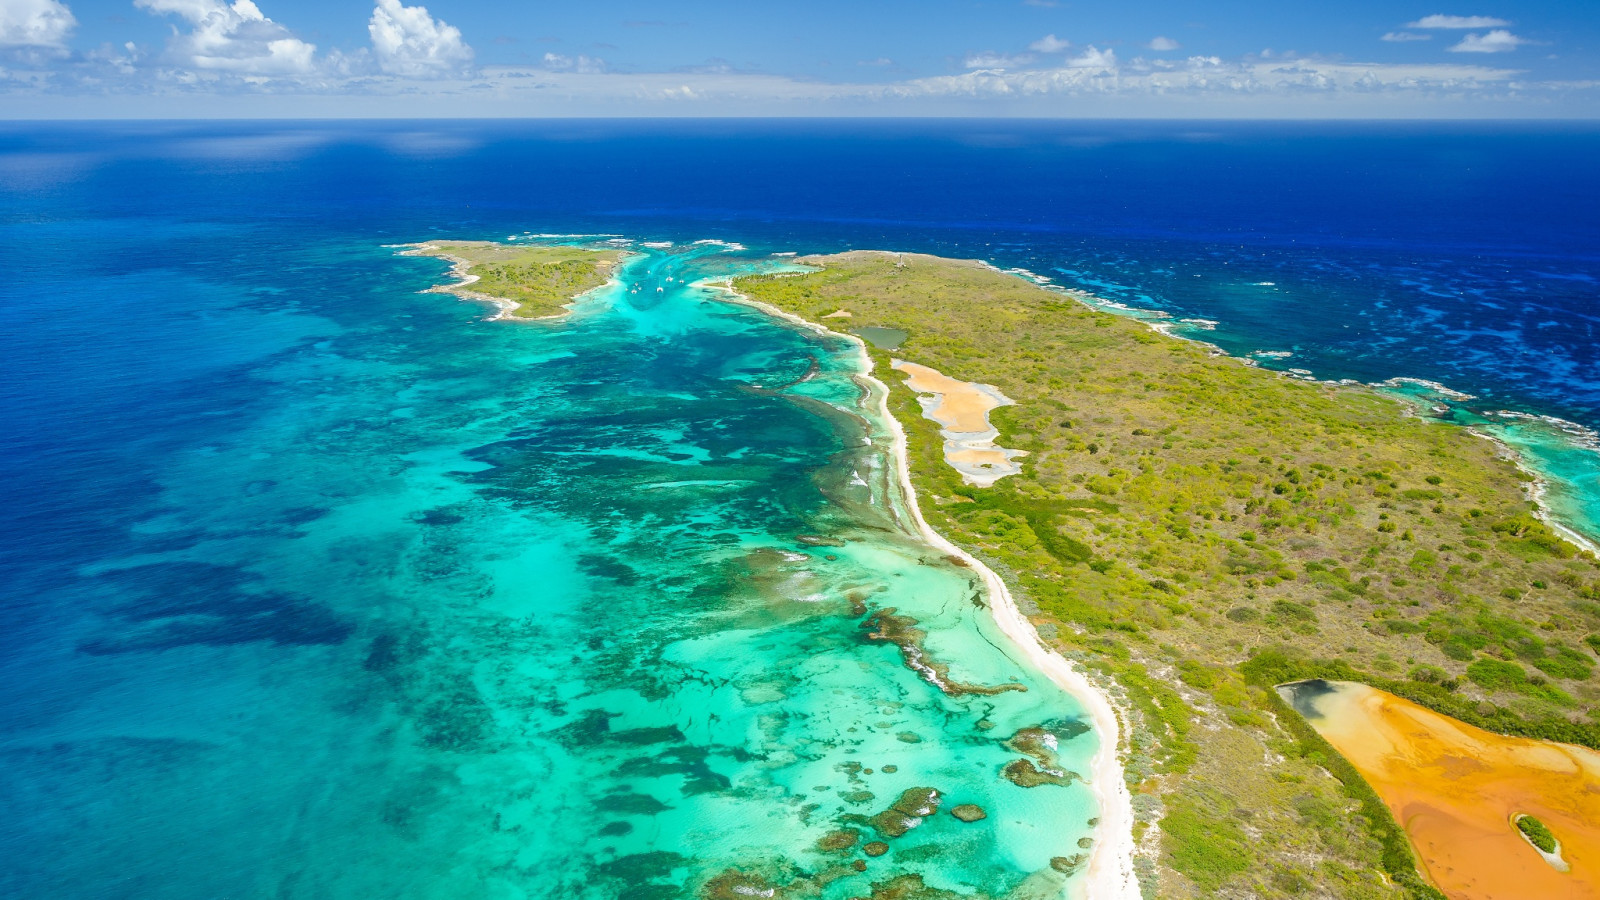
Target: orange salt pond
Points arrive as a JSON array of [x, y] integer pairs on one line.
[[1457, 789], [962, 410]]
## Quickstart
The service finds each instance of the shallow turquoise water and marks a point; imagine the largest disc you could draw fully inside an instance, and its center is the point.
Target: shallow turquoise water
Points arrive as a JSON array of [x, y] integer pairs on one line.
[[1567, 461], [424, 605]]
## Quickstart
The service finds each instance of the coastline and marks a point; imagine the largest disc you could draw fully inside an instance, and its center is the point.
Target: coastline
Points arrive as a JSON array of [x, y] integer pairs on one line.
[[1576, 434], [504, 309], [1110, 873], [1538, 487]]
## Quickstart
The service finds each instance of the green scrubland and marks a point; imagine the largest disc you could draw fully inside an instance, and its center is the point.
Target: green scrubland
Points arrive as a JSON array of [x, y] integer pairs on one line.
[[1196, 530], [541, 281]]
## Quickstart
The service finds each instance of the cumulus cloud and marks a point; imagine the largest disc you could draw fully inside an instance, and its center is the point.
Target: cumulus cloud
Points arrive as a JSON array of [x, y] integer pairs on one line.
[[1163, 44], [1049, 44], [237, 39], [406, 40], [1440, 21], [34, 23], [1496, 41], [1400, 37], [1093, 59]]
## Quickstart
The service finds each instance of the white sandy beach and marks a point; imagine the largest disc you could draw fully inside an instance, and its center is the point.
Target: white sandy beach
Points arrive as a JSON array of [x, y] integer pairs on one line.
[[1110, 874]]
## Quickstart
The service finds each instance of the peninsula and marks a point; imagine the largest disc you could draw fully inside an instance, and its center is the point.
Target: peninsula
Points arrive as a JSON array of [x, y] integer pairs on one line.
[[1195, 530]]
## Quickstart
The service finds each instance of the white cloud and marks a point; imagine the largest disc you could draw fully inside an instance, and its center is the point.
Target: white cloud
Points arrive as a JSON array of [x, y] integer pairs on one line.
[[1049, 44], [584, 65], [34, 23], [1163, 43], [1098, 74], [408, 41], [1084, 81], [996, 61], [1441, 21], [1093, 59], [1496, 41], [1400, 37], [236, 39]]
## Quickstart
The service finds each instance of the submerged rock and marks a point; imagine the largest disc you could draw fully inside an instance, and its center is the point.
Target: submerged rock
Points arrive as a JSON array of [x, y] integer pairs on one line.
[[902, 631], [1023, 773], [893, 823], [906, 813], [630, 803], [1044, 767], [909, 887], [969, 812], [843, 839], [817, 540], [1066, 865], [918, 801], [1035, 742], [733, 884]]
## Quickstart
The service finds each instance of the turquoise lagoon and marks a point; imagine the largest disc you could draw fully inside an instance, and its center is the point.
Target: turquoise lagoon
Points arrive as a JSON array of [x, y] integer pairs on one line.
[[434, 606]]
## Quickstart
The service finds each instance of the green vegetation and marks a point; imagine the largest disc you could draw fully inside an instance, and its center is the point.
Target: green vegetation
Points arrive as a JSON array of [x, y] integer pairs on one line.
[[1209, 848], [1196, 530], [1537, 832], [541, 281]]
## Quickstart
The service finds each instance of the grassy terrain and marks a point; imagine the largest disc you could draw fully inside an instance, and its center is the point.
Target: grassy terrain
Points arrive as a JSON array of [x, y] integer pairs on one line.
[[541, 281], [1194, 530]]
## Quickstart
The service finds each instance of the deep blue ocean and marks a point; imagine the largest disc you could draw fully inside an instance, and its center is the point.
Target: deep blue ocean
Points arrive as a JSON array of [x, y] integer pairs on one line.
[[313, 585]]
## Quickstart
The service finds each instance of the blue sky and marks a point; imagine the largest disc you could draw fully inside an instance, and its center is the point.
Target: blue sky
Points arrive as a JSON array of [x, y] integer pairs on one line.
[[1357, 58]]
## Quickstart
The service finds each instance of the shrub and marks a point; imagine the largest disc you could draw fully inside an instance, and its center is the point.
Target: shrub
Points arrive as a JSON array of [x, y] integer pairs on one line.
[[1429, 675], [1497, 674], [1290, 611], [1203, 846], [1537, 832], [1566, 663], [1196, 674]]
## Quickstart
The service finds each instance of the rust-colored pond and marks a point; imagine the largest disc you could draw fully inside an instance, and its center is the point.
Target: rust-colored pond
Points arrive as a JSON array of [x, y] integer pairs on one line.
[[1457, 790]]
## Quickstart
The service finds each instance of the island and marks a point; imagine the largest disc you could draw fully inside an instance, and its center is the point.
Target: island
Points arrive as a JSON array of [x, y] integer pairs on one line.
[[524, 281], [1195, 531]]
